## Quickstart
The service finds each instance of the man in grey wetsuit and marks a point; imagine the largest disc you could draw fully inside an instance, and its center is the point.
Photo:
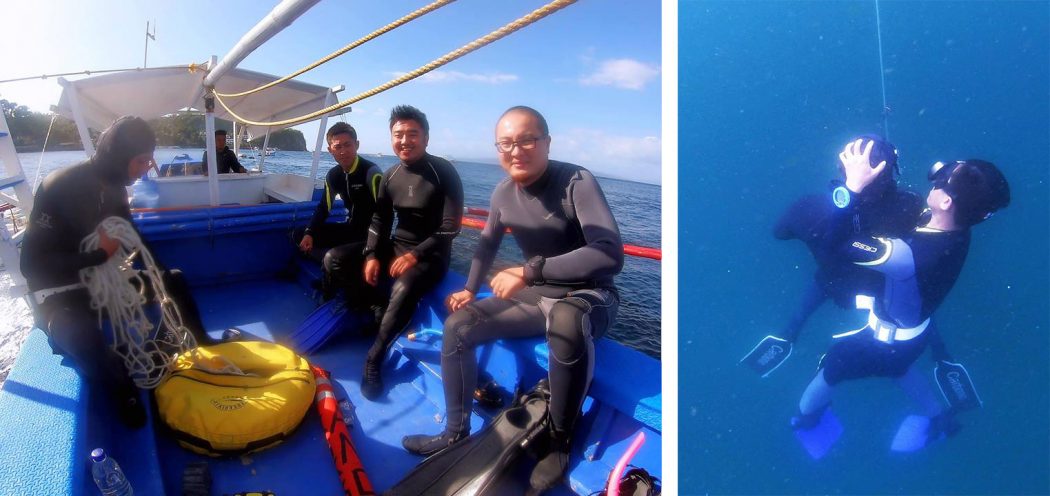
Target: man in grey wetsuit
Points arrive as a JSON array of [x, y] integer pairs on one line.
[[560, 219]]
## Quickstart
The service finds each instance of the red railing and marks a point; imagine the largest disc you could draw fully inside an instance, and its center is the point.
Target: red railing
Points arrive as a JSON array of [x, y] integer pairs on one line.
[[633, 250]]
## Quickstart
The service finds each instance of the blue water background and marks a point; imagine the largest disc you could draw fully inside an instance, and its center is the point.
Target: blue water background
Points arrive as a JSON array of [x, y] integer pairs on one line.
[[769, 92], [636, 207]]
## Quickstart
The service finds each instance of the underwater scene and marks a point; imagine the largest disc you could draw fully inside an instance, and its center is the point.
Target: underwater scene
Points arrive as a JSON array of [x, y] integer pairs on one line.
[[770, 92]]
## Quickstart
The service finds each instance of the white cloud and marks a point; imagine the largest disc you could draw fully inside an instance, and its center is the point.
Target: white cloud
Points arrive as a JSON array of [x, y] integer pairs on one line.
[[456, 76], [631, 157], [622, 73]]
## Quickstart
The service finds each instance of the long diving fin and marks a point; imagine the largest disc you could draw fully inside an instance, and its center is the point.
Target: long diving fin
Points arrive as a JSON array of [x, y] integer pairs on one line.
[[956, 386], [818, 439], [769, 354], [324, 323]]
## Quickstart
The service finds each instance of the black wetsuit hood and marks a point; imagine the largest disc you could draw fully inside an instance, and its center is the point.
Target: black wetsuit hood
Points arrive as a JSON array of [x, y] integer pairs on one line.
[[124, 139]]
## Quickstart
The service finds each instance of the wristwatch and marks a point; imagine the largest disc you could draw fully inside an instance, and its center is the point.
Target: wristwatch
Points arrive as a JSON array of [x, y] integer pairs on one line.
[[534, 270], [840, 196]]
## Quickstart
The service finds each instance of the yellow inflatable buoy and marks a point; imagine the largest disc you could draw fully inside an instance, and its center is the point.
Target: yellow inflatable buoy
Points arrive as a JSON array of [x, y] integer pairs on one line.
[[235, 398]]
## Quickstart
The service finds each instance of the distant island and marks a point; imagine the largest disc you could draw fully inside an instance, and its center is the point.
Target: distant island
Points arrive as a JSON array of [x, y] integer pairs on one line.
[[29, 130]]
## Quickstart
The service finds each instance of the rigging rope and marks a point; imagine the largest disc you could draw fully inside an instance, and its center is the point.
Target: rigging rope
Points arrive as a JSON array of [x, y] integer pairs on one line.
[[530, 18], [147, 359], [40, 163], [882, 75], [374, 34]]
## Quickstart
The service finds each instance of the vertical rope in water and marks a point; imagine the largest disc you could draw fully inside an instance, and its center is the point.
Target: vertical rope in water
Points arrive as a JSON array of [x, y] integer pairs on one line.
[[882, 75]]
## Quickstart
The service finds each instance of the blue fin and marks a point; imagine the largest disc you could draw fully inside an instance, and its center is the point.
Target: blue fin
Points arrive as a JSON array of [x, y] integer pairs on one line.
[[819, 439], [767, 355], [912, 435], [327, 321], [956, 386]]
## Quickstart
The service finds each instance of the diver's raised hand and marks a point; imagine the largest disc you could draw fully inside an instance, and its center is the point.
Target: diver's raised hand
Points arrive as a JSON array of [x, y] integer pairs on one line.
[[856, 162]]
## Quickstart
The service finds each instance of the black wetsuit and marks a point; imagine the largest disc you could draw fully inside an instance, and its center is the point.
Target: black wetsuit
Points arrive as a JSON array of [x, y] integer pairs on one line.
[[427, 196], [917, 271], [68, 206], [227, 162], [892, 213], [564, 218], [339, 246]]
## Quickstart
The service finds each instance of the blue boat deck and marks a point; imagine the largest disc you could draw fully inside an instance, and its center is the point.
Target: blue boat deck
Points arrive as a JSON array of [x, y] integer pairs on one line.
[[49, 409]]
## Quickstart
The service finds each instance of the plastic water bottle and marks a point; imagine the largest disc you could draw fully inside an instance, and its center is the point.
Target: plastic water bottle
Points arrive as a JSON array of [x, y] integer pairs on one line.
[[108, 476]]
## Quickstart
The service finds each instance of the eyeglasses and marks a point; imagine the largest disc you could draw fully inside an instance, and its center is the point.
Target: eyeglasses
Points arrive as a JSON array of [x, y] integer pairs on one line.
[[524, 144]]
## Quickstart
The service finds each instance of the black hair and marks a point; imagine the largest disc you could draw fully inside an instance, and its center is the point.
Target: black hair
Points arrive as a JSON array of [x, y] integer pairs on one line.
[[340, 128], [531, 111], [978, 189], [220, 131], [127, 137], [409, 113]]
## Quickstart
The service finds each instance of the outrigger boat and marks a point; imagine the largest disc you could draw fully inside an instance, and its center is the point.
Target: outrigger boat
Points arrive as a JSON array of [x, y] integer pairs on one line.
[[51, 419]]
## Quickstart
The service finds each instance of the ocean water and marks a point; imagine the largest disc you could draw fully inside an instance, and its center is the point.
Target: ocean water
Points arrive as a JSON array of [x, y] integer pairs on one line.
[[636, 207], [769, 92]]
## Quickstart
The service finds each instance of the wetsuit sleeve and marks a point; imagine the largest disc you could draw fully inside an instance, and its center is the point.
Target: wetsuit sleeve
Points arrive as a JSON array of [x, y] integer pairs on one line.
[[235, 164], [890, 256], [204, 163], [451, 214], [46, 248], [374, 176], [323, 207], [488, 244], [603, 253], [382, 220]]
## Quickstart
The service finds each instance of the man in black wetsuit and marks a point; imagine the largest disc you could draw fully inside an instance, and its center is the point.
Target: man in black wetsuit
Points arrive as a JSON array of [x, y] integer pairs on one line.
[[918, 270], [69, 205], [882, 210], [339, 246], [560, 219], [426, 194], [227, 160]]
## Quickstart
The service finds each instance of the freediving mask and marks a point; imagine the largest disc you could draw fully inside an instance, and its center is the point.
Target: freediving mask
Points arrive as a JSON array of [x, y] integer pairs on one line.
[[941, 172]]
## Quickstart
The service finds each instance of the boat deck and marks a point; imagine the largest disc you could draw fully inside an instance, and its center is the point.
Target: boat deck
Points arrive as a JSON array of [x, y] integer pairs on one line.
[[50, 409]]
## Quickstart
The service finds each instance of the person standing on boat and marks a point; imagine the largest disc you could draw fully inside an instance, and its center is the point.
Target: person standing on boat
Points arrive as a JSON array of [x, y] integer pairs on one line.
[[339, 245], [565, 291], [918, 271], [226, 158], [426, 194], [70, 204]]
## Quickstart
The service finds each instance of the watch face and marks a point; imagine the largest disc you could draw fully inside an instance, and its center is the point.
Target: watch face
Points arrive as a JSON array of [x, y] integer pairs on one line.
[[840, 196]]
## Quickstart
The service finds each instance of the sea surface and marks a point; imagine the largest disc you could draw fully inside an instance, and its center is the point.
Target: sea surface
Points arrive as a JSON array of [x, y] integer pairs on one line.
[[769, 92], [636, 207]]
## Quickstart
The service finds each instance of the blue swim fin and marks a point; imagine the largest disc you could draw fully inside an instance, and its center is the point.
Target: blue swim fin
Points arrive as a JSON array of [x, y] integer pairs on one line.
[[327, 321], [956, 386], [917, 431], [912, 434], [767, 355], [818, 439]]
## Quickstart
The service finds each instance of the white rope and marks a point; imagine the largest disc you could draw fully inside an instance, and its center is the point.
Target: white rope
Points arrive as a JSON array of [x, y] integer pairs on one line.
[[147, 358], [40, 163]]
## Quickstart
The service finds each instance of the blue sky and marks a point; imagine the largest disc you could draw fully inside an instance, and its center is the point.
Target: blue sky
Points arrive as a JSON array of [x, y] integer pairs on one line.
[[593, 69]]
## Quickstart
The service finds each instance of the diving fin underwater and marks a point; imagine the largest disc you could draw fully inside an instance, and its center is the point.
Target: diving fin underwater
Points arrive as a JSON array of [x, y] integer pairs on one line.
[[324, 323], [767, 355], [956, 386], [917, 431], [819, 438]]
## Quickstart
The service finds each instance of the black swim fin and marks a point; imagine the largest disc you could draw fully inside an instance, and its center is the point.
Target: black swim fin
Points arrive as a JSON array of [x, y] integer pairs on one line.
[[956, 386], [480, 464], [769, 354]]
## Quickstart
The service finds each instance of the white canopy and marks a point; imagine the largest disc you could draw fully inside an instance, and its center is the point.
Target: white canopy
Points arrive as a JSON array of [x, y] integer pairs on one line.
[[156, 92]]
